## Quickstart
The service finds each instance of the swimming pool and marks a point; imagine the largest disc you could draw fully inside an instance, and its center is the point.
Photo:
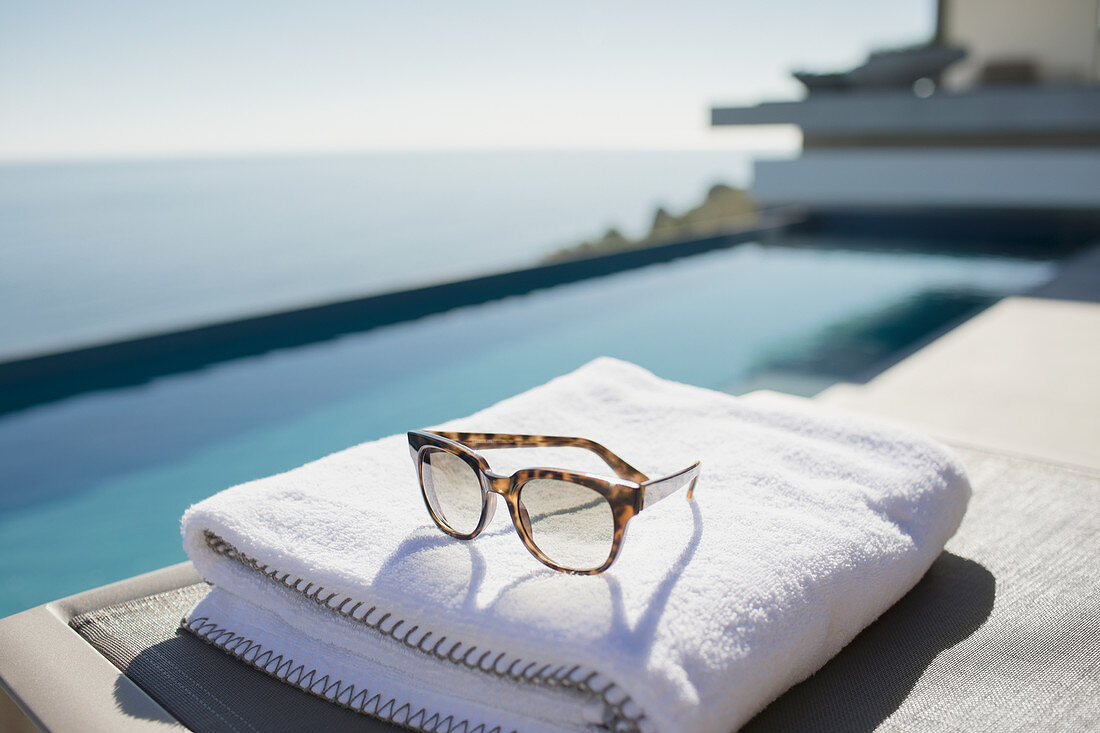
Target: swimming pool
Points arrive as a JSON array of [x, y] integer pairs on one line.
[[92, 487]]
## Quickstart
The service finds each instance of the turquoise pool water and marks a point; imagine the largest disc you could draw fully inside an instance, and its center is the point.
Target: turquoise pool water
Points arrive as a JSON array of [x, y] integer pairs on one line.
[[92, 487]]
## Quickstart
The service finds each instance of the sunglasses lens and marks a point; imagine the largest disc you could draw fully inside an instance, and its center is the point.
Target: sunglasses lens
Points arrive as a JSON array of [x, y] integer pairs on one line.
[[452, 489], [571, 524]]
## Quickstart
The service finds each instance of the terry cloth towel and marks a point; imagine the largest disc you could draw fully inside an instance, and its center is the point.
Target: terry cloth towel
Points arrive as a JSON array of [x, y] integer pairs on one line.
[[805, 527]]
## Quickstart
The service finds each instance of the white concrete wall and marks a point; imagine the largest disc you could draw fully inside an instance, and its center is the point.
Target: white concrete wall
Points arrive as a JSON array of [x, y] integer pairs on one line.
[[1031, 177], [1060, 35]]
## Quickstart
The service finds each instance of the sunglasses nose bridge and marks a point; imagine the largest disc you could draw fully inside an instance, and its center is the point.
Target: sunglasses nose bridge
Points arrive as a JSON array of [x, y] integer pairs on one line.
[[498, 484]]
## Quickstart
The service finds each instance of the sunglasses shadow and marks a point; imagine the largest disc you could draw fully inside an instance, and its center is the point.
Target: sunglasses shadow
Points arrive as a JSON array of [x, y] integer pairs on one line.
[[412, 551], [635, 637], [414, 561]]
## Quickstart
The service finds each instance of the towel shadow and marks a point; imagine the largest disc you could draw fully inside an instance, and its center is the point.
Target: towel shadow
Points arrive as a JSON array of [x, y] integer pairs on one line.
[[871, 677]]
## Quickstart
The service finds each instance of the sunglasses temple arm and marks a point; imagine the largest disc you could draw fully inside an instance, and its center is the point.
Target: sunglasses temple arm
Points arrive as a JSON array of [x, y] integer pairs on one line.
[[662, 488]]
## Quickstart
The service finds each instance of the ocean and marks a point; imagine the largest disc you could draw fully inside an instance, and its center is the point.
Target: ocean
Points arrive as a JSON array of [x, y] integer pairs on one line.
[[96, 252]]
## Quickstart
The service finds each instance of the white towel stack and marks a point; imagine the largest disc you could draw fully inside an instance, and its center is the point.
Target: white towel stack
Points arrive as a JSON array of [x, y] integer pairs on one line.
[[805, 527]]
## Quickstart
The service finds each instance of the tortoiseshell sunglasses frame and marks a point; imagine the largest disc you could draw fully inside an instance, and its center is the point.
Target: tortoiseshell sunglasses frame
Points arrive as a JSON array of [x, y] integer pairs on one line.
[[628, 494]]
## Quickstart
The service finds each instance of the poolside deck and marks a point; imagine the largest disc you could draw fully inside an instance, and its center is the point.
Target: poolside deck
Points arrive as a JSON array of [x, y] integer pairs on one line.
[[1020, 377]]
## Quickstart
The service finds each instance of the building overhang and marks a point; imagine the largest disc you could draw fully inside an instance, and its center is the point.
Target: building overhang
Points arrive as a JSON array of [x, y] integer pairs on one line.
[[991, 116]]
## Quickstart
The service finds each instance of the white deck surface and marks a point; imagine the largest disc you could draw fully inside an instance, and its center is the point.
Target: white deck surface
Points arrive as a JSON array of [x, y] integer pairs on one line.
[[1023, 376]]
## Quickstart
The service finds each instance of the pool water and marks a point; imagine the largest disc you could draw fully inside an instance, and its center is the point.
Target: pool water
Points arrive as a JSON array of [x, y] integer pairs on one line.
[[92, 487]]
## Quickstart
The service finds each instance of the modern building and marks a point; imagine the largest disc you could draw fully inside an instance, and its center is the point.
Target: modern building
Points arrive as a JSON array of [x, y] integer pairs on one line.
[[1000, 110]]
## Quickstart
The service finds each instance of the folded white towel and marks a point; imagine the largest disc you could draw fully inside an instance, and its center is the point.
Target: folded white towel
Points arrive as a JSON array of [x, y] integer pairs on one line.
[[805, 527]]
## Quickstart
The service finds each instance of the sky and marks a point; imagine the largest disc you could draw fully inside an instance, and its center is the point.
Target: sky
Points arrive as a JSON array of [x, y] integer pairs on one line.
[[133, 78]]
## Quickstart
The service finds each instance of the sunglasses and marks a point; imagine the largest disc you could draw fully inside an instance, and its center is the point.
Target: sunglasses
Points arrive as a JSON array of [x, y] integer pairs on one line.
[[570, 521]]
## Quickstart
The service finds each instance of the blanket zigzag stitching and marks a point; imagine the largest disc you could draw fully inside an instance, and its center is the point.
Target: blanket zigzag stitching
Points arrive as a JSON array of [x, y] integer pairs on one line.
[[624, 715], [344, 695]]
